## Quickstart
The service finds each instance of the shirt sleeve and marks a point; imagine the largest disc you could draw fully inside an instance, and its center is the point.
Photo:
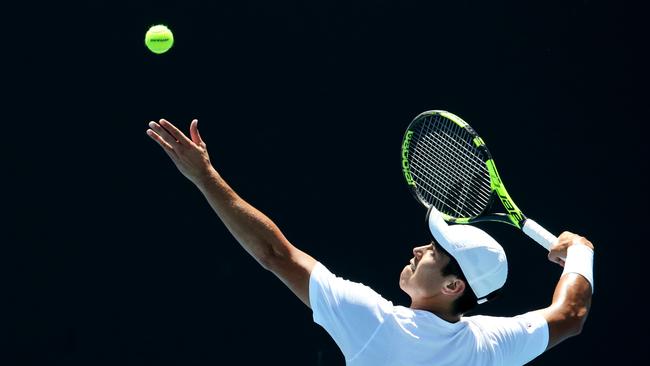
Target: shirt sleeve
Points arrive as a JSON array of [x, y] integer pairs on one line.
[[518, 340], [350, 312]]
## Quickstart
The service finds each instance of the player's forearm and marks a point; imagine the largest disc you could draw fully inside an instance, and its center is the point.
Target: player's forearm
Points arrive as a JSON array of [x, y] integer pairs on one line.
[[256, 233], [575, 287], [572, 298]]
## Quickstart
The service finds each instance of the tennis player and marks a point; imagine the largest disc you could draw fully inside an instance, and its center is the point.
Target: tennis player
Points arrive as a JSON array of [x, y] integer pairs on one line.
[[462, 267]]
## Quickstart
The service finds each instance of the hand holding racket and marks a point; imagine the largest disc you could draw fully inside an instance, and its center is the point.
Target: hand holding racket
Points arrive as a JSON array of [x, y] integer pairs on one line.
[[448, 167]]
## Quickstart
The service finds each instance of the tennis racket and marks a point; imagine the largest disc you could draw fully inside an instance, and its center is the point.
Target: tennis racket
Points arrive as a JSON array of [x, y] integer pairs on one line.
[[447, 165]]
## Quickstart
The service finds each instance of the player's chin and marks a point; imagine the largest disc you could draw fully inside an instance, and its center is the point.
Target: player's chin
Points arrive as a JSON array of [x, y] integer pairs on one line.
[[405, 276]]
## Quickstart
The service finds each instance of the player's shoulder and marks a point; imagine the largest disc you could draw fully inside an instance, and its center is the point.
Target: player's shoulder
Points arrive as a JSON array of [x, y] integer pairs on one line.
[[325, 283], [487, 323], [522, 323], [482, 318]]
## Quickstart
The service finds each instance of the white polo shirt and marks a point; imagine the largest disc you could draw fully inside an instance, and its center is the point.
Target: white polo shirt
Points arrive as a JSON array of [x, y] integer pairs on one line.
[[371, 331]]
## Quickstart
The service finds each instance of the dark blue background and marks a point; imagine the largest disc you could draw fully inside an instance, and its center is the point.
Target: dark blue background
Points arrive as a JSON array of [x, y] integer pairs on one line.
[[111, 257]]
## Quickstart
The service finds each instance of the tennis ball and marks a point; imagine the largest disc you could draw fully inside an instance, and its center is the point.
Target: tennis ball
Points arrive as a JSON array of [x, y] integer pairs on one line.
[[159, 39]]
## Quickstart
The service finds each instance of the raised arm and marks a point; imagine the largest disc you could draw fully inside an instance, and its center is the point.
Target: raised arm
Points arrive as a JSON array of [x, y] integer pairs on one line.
[[572, 297], [256, 233]]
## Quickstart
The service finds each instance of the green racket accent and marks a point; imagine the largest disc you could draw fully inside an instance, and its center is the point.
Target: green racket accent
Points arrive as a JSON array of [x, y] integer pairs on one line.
[[405, 158], [478, 141], [514, 213], [457, 120], [463, 220]]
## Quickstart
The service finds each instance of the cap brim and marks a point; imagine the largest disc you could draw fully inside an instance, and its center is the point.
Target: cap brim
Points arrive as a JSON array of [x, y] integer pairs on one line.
[[439, 228]]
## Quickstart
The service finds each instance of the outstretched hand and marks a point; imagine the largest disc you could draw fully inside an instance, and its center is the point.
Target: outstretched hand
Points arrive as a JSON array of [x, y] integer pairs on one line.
[[189, 155]]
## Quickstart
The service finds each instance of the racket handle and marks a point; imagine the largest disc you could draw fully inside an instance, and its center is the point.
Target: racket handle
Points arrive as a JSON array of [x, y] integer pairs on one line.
[[539, 234]]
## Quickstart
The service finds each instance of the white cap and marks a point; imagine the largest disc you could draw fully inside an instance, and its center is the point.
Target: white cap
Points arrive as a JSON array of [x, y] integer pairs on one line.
[[481, 258]]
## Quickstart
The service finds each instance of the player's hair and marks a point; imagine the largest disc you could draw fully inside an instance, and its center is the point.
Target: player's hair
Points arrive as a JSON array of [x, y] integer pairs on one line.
[[467, 301]]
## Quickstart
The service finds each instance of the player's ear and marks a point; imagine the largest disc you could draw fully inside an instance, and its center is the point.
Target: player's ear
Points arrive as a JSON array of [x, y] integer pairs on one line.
[[453, 286]]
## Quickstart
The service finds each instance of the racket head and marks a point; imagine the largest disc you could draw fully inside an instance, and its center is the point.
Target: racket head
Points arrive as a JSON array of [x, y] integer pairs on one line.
[[447, 165]]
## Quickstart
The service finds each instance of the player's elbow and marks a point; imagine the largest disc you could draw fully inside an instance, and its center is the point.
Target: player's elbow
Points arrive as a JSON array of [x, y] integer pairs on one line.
[[575, 316], [271, 258], [574, 328], [566, 317], [580, 319], [266, 261]]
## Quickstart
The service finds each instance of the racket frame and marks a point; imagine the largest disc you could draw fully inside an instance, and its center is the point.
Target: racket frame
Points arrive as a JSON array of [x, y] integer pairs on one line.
[[513, 217]]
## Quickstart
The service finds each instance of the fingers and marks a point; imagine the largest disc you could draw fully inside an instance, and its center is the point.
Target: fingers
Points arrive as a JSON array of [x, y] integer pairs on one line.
[[582, 240], [555, 258], [175, 132], [194, 133], [163, 134], [156, 137], [566, 235]]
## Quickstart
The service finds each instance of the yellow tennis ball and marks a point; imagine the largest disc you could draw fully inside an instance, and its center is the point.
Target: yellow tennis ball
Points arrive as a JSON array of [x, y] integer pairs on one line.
[[159, 39]]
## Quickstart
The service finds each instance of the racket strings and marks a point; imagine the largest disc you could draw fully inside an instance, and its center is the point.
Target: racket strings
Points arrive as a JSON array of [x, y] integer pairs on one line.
[[455, 199], [433, 185], [459, 188], [459, 171], [448, 169], [428, 167], [454, 196], [473, 163]]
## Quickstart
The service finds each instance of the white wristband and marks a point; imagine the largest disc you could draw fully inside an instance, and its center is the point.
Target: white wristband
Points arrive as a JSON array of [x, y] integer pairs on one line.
[[580, 260]]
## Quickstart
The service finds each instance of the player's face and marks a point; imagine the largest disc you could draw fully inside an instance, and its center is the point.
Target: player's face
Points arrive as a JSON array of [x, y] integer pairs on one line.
[[422, 277]]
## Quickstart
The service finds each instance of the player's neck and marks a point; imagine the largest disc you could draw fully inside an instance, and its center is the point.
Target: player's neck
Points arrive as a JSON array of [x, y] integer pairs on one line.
[[441, 311]]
